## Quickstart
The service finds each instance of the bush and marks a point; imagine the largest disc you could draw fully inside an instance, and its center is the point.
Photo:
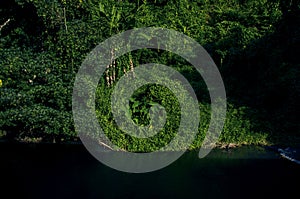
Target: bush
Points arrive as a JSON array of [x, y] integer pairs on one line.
[[44, 44], [35, 100]]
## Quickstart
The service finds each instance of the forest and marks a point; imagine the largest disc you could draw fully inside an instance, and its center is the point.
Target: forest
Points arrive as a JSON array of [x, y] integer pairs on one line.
[[254, 43]]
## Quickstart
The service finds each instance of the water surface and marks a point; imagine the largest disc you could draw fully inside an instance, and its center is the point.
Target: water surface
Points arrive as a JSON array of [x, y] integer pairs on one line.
[[69, 171]]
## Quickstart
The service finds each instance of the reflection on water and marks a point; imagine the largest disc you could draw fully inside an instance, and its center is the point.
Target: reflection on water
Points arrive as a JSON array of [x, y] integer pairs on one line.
[[60, 171]]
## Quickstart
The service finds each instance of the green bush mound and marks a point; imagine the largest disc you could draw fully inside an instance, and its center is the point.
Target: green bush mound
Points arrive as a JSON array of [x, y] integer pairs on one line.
[[43, 43]]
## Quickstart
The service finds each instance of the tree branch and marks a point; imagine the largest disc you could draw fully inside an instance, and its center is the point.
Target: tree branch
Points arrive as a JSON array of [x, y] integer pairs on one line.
[[5, 23]]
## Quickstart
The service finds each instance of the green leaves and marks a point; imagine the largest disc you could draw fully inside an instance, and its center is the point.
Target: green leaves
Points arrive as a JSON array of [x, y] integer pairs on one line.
[[35, 100], [39, 60]]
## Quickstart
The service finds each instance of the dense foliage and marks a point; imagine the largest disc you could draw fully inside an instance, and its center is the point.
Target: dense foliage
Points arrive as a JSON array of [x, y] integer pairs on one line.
[[253, 42]]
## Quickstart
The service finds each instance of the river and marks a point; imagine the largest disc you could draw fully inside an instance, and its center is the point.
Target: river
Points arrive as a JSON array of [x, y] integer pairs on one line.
[[69, 171]]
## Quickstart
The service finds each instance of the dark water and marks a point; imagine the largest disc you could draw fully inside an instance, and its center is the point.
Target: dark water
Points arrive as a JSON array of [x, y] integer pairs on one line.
[[60, 171]]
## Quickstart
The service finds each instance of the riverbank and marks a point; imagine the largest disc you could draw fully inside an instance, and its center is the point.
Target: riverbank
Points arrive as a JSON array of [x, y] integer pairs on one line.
[[283, 141]]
